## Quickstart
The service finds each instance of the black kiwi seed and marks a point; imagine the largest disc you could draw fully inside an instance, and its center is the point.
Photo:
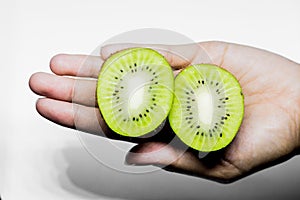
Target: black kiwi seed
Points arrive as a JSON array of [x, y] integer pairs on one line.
[[120, 110], [202, 134], [203, 82], [147, 110], [197, 133], [133, 119], [217, 84], [220, 134], [141, 115], [145, 115], [199, 81], [153, 99], [116, 77], [156, 82], [135, 64], [228, 115], [188, 106], [226, 98], [198, 126], [121, 70], [191, 126]]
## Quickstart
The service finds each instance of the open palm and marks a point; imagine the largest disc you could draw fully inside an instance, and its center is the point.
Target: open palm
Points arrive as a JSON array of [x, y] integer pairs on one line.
[[269, 133]]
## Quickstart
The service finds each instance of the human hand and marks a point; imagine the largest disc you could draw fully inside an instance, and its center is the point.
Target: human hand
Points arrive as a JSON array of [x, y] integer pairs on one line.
[[268, 135]]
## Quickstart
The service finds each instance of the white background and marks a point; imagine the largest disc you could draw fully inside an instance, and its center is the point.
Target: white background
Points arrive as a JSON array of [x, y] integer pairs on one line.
[[41, 160]]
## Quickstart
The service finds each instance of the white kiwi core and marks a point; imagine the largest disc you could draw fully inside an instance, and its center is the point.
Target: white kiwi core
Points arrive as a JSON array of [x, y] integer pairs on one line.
[[205, 107]]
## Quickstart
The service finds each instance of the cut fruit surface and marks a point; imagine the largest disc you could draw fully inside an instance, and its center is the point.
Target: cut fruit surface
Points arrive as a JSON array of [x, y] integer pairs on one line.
[[135, 91], [208, 107]]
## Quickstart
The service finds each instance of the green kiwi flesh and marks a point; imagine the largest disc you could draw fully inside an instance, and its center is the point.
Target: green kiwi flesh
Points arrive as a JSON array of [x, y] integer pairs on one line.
[[135, 91], [208, 107]]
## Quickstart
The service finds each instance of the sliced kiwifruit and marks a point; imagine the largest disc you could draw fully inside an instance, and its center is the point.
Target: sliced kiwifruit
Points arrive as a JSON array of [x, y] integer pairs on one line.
[[208, 107], [135, 91]]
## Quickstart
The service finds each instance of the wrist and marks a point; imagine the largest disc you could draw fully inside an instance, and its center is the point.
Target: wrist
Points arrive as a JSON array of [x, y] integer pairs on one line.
[[295, 104], [298, 113], [298, 127]]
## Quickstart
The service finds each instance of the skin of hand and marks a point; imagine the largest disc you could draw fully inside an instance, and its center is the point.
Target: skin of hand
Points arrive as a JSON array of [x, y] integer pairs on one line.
[[269, 133]]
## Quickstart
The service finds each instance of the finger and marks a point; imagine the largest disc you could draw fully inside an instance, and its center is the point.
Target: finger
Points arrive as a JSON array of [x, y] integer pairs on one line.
[[76, 65], [178, 56], [71, 115], [79, 117], [81, 91], [182, 161], [236, 56]]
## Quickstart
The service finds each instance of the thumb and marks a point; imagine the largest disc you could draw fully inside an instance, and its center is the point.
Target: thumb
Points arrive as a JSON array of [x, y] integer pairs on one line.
[[178, 56], [166, 156], [182, 161]]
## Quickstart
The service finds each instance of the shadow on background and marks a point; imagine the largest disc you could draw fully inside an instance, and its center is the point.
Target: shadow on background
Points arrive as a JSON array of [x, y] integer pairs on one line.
[[82, 175], [91, 179]]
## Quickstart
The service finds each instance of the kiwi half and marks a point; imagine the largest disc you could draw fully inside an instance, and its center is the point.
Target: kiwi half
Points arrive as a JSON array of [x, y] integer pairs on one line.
[[208, 107], [135, 91]]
